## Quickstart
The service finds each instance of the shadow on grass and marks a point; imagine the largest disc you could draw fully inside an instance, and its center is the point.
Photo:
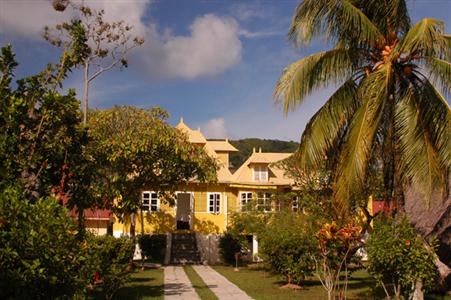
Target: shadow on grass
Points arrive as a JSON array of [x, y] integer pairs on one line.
[[139, 292]]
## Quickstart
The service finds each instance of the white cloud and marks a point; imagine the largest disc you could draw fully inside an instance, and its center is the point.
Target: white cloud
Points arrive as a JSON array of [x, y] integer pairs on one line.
[[212, 46], [258, 34], [27, 18], [215, 129]]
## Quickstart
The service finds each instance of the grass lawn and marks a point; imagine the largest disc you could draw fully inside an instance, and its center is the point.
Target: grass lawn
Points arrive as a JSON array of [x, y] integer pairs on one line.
[[262, 285], [148, 284], [199, 285]]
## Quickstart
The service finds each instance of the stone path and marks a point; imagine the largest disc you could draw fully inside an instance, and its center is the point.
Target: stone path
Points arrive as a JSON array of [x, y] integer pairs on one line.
[[223, 288], [177, 285]]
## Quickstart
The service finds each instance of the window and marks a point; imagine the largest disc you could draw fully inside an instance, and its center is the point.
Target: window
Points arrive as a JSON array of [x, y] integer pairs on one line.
[[214, 203], [295, 204], [260, 173], [150, 201], [245, 200], [264, 201]]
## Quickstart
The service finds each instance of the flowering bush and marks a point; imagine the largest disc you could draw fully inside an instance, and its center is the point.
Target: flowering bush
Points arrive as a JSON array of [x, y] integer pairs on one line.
[[336, 247], [398, 257]]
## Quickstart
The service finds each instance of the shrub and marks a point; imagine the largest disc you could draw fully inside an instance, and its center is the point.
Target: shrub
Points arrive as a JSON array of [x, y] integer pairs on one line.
[[287, 246], [229, 244], [397, 255], [40, 254], [111, 257], [153, 246]]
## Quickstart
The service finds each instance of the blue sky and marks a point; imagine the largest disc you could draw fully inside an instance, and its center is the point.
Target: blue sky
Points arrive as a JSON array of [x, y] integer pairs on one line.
[[215, 63]]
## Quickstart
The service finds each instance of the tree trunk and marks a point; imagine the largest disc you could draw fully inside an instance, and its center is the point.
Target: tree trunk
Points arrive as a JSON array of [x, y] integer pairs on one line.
[[418, 291], [86, 93], [81, 220], [132, 225]]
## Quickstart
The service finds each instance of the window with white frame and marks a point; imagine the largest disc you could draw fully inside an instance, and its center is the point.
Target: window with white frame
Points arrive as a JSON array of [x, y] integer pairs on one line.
[[214, 203], [260, 173], [245, 200], [295, 204], [150, 201], [264, 201]]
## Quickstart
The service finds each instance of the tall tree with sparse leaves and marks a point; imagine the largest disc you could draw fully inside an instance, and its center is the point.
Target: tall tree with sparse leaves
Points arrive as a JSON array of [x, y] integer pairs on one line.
[[387, 105], [101, 45]]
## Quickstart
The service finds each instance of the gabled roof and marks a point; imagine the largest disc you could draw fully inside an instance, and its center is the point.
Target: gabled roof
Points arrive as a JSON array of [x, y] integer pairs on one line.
[[266, 158], [222, 146], [223, 174], [276, 176], [194, 136]]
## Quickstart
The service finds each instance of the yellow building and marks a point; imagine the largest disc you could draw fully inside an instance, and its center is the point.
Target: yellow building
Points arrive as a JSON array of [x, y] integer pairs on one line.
[[206, 208]]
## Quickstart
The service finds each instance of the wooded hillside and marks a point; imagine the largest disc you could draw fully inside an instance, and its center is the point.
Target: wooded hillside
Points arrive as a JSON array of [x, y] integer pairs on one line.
[[245, 147]]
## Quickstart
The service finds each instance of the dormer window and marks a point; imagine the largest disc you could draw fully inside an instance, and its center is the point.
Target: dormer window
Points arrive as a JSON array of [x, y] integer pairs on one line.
[[261, 173]]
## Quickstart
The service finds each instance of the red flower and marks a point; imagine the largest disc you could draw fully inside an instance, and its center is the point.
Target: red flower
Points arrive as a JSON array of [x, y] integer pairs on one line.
[[408, 243]]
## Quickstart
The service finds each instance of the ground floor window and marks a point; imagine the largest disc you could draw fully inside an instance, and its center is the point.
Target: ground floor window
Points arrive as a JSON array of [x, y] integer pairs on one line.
[[264, 201], [214, 202], [245, 200], [150, 201]]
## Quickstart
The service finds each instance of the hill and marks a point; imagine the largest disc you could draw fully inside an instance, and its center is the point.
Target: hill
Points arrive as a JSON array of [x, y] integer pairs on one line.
[[245, 147]]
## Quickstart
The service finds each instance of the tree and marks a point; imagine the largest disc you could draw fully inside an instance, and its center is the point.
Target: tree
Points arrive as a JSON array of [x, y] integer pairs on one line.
[[102, 45], [136, 149], [40, 254], [39, 127], [386, 110]]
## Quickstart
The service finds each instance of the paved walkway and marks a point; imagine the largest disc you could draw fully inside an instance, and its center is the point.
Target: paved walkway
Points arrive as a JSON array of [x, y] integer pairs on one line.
[[177, 285], [223, 288]]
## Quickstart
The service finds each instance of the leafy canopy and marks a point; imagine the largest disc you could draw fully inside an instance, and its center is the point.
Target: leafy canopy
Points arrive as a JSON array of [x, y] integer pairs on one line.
[[137, 149]]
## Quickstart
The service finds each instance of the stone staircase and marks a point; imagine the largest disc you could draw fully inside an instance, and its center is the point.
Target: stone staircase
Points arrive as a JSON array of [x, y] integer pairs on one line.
[[184, 249]]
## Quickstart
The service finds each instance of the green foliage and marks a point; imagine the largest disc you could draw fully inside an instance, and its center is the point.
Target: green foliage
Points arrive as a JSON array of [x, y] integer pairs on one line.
[[286, 240], [229, 245], [398, 256], [287, 246], [39, 129], [245, 147], [40, 255], [137, 149], [153, 246], [110, 256]]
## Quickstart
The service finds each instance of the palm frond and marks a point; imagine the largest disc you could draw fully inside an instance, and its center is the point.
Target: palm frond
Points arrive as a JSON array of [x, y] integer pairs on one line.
[[388, 16], [299, 79], [338, 20], [435, 113], [423, 124], [325, 126], [357, 149], [425, 39], [440, 72]]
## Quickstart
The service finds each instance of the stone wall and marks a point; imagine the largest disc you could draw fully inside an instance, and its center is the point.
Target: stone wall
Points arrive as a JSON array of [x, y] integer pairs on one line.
[[208, 246]]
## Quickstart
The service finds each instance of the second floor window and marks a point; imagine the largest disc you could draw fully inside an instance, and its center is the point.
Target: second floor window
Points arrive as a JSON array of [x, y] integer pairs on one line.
[[214, 203], [245, 200], [261, 173], [150, 201]]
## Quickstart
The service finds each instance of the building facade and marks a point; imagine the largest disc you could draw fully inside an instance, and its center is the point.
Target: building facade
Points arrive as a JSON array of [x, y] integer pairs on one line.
[[206, 208]]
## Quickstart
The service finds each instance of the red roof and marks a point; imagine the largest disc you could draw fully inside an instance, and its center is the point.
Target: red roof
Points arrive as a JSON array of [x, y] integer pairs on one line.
[[383, 207], [96, 214]]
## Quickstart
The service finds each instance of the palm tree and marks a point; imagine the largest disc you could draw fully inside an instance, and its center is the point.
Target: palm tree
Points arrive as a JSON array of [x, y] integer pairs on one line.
[[386, 105]]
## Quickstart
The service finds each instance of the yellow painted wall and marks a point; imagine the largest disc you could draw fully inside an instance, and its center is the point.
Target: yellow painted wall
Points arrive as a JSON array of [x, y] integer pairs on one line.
[[224, 158], [205, 222]]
